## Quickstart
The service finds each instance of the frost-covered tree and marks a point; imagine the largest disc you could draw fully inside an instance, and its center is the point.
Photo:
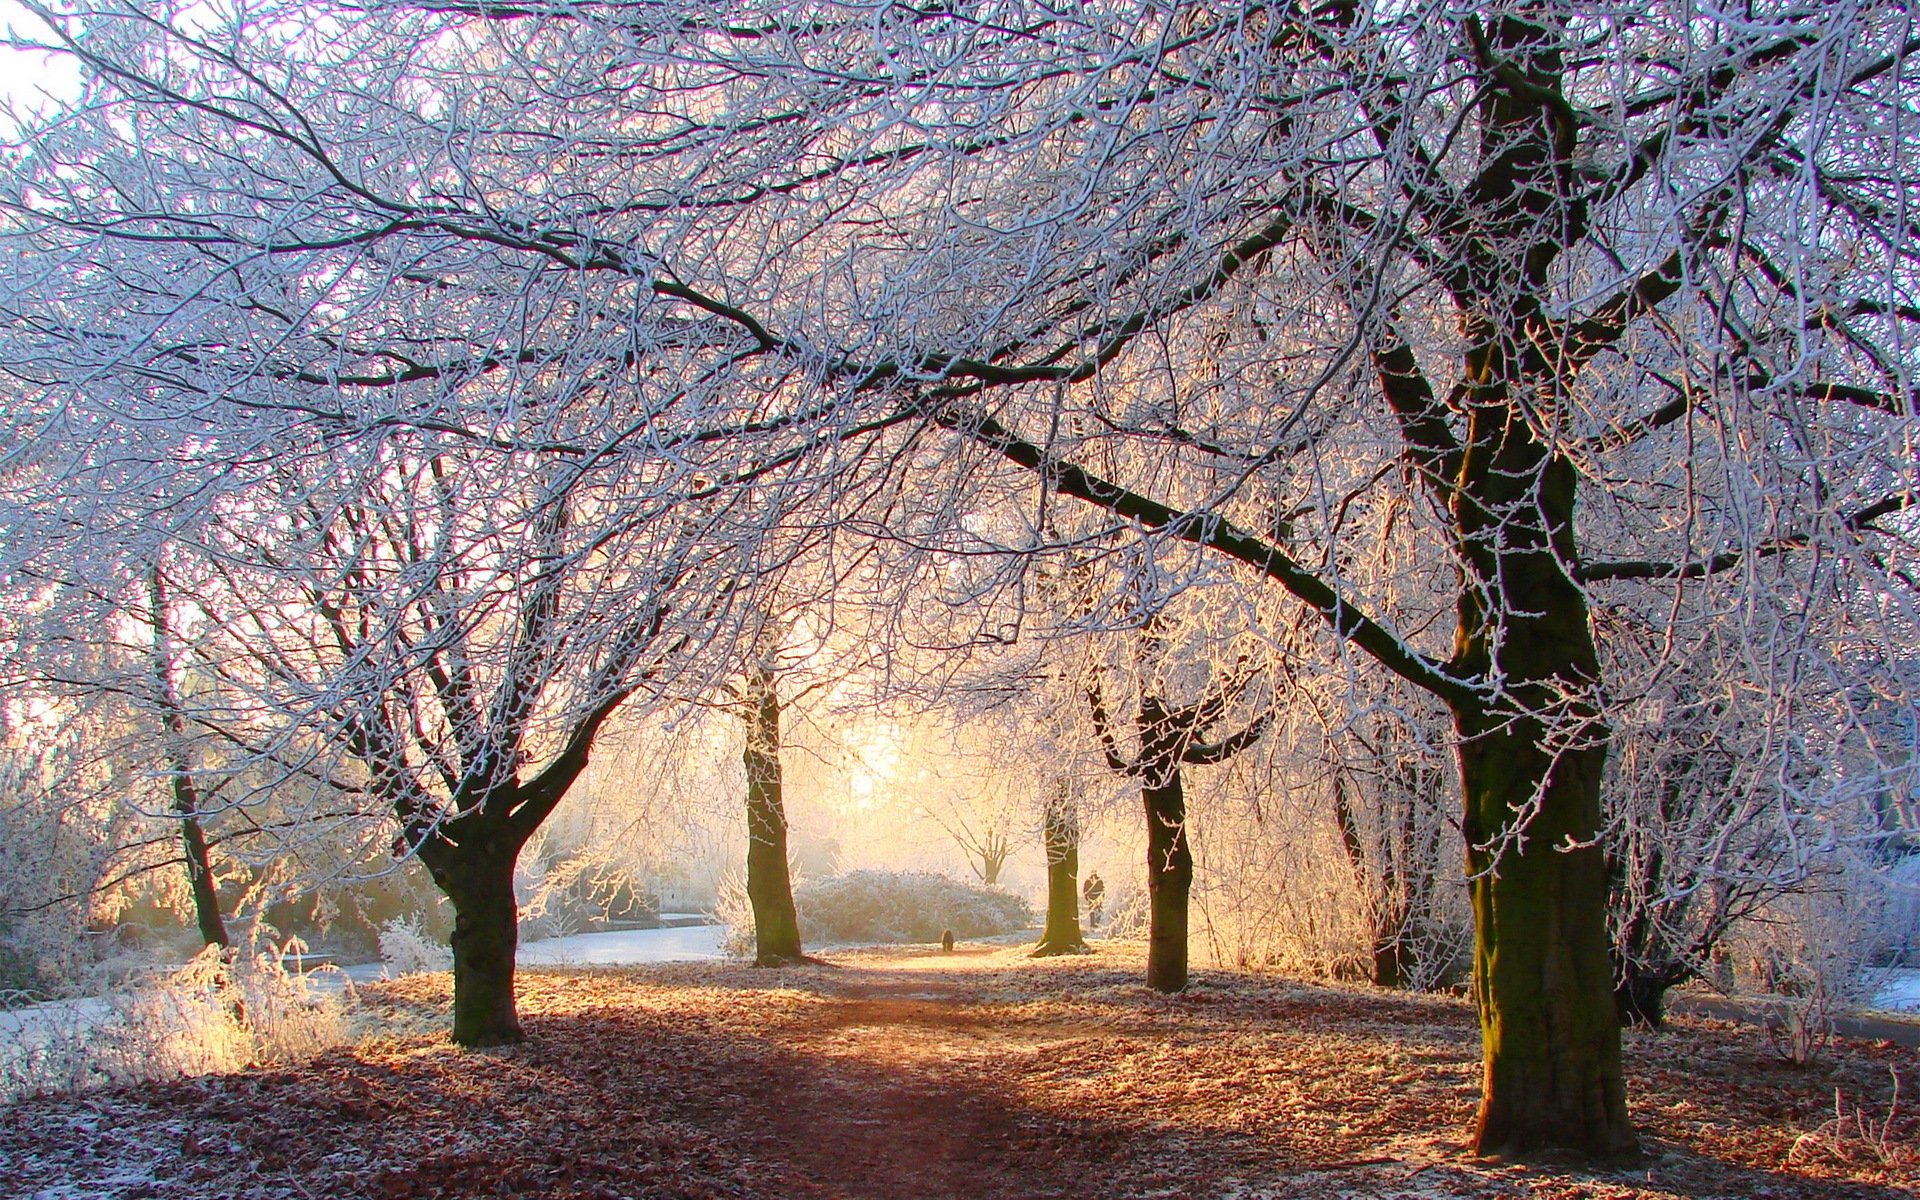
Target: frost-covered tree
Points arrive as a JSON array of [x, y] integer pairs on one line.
[[1622, 295]]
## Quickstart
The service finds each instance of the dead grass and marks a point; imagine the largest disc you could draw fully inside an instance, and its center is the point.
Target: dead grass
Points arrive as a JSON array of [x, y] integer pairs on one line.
[[902, 1074]]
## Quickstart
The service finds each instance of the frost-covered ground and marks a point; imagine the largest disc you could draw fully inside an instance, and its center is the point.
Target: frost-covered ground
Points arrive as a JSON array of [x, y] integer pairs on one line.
[[58, 1044], [980, 1074]]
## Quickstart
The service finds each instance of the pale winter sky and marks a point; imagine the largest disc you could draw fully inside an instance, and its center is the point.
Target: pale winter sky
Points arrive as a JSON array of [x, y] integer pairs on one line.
[[27, 78]]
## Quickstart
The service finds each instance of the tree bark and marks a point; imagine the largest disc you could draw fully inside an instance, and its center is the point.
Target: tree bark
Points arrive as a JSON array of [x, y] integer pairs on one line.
[[186, 793], [1060, 831], [486, 934], [193, 839], [1169, 883], [1542, 975], [776, 924]]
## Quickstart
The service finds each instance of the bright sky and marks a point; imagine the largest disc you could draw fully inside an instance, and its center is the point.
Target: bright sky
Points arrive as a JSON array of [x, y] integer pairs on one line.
[[29, 79]]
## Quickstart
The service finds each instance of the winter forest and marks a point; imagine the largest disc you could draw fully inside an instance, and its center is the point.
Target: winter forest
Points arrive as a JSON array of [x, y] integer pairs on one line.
[[655, 598]]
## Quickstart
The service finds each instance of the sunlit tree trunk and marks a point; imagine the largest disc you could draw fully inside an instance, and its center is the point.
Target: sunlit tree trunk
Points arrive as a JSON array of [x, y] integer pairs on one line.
[[478, 881], [776, 924], [1060, 833]]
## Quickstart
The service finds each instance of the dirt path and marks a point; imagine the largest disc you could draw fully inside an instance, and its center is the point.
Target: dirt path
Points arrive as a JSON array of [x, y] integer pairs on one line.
[[907, 1075], [899, 1080]]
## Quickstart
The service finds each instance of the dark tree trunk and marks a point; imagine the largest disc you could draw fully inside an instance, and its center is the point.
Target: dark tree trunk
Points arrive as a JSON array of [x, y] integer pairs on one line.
[[1394, 960], [486, 934], [186, 793], [1169, 883], [1060, 831], [1530, 774], [206, 898], [1640, 992], [1531, 759], [776, 925], [1543, 978]]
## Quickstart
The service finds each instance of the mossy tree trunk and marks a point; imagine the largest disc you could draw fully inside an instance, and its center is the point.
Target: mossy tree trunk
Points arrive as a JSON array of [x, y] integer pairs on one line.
[[1531, 764], [1542, 978], [1060, 834], [776, 924]]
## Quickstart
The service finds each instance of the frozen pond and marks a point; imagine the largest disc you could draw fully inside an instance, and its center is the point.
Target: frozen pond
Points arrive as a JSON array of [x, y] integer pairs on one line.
[[629, 947], [1900, 993]]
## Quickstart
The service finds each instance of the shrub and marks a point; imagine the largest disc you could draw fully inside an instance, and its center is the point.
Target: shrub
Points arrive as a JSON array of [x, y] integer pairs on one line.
[[904, 906], [212, 1015], [408, 951]]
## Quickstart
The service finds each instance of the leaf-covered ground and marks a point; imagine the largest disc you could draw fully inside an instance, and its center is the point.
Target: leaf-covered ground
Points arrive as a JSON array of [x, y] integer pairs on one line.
[[980, 1074]]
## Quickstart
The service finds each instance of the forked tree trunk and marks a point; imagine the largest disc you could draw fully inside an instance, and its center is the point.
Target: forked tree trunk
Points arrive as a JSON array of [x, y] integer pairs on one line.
[[486, 934], [1169, 883], [776, 924], [1640, 992], [1060, 832]]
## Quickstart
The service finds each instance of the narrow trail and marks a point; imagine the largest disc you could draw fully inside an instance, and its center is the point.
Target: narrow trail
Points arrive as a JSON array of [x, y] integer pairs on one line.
[[909, 1087]]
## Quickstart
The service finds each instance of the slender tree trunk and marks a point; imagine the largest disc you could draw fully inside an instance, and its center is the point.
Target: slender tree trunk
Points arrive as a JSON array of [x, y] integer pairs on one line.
[[1169, 883], [1060, 831], [486, 934], [776, 925], [193, 839], [1390, 952], [186, 793]]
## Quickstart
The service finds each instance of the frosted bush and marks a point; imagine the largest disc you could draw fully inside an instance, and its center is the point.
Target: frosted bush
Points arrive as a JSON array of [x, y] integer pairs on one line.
[[735, 912], [1825, 948], [909, 906], [408, 951], [1127, 914], [210, 1016]]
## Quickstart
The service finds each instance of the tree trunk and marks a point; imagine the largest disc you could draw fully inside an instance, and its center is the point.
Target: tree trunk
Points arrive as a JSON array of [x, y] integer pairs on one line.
[[1383, 892], [776, 925], [1393, 958], [206, 898], [1542, 973], [1640, 992], [486, 933], [1060, 831], [186, 793], [1169, 882]]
